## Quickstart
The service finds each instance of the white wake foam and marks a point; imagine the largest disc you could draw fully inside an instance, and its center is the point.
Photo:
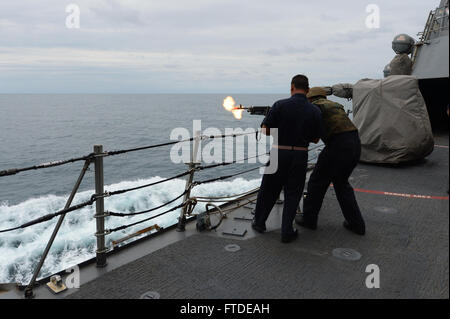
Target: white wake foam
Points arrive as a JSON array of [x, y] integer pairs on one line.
[[20, 250]]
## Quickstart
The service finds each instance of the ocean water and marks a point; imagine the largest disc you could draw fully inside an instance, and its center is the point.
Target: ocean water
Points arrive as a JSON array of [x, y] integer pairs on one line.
[[41, 128]]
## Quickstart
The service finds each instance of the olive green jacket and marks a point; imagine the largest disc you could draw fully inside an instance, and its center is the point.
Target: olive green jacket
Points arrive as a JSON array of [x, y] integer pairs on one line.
[[334, 117]]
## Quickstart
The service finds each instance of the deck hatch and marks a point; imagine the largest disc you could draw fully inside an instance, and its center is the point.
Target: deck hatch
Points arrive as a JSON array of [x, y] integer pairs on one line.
[[236, 231], [346, 254]]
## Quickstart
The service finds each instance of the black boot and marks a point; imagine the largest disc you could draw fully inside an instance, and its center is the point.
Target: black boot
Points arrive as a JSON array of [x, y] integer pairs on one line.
[[290, 237], [357, 230], [259, 229], [304, 222]]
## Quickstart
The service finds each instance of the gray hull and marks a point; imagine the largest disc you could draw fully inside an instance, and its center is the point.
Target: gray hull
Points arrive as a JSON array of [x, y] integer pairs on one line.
[[431, 65]]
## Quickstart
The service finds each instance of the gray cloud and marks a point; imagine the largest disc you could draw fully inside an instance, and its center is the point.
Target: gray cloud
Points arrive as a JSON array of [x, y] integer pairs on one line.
[[288, 50], [220, 45], [118, 14]]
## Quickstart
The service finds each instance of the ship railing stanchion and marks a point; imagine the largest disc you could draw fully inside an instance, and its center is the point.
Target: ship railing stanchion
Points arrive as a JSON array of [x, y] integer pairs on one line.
[[100, 207], [192, 165], [29, 289]]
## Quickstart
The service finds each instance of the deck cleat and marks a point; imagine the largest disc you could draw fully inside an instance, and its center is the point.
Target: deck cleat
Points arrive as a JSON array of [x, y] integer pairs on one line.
[[56, 284], [346, 254]]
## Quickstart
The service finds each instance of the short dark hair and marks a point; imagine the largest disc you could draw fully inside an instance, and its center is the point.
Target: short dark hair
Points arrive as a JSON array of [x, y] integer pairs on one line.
[[300, 82]]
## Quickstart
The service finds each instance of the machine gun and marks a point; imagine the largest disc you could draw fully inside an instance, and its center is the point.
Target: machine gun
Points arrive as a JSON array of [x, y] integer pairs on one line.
[[254, 110]]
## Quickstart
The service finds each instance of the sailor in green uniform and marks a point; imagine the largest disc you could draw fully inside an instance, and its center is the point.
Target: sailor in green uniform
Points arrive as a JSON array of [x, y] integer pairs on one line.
[[335, 164]]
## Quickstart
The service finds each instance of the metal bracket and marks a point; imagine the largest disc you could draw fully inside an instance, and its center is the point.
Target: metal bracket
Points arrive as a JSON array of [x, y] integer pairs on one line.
[[106, 214], [106, 232], [103, 251], [100, 154], [104, 195]]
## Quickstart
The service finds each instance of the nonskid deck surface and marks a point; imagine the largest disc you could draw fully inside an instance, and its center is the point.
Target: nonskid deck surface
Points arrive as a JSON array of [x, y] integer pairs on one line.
[[407, 238]]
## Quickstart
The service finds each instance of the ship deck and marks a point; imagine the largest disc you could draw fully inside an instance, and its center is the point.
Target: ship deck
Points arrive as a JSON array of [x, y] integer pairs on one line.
[[407, 238]]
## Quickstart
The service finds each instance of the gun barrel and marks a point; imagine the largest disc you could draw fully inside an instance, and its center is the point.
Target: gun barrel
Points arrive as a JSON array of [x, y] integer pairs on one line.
[[258, 110], [254, 110]]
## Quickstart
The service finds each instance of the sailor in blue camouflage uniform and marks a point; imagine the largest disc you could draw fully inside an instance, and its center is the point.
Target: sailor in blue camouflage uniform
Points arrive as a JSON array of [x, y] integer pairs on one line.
[[297, 123], [335, 164]]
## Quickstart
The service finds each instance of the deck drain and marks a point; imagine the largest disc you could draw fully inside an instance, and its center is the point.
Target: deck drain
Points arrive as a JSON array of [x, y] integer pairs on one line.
[[386, 210], [346, 254], [150, 295], [232, 248]]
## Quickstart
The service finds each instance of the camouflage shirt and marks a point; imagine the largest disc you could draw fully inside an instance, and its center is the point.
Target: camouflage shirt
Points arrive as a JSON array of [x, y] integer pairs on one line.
[[335, 118]]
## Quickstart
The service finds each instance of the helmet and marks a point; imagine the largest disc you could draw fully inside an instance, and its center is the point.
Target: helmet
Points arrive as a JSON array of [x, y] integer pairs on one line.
[[316, 91], [403, 44]]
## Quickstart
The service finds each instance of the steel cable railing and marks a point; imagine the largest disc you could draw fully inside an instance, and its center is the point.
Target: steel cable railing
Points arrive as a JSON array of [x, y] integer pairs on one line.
[[118, 192], [123, 191], [89, 203], [178, 197], [98, 198], [201, 168], [51, 216], [149, 210], [225, 177], [144, 220], [14, 171], [221, 199], [91, 156]]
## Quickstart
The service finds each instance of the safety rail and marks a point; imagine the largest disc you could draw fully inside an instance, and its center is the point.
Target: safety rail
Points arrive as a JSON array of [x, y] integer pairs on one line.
[[187, 205], [437, 22]]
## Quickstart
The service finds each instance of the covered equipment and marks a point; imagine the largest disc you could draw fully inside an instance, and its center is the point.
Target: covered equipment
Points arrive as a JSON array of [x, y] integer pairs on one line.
[[392, 120], [343, 90]]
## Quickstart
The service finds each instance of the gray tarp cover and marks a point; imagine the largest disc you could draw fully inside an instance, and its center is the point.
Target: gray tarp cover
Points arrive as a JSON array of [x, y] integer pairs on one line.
[[343, 90], [392, 120]]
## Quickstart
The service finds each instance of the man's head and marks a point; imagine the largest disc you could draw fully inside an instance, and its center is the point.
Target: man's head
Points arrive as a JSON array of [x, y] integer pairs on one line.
[[316, 93], [299, 84]]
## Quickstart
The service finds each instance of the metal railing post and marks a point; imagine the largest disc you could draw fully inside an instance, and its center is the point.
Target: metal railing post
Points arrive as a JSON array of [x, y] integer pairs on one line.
[[100, 207], [193, 163], [29, 289]]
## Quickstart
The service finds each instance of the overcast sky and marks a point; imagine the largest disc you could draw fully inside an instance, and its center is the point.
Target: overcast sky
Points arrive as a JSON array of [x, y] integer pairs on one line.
[[196, 46]]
